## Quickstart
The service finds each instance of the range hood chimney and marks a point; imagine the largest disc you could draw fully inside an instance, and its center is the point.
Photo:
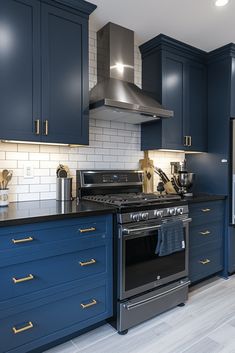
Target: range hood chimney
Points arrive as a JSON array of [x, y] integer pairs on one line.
[[116, 97]]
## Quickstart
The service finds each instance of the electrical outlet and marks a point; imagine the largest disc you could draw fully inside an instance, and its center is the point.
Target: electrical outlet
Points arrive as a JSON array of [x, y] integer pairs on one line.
[[28, 171]]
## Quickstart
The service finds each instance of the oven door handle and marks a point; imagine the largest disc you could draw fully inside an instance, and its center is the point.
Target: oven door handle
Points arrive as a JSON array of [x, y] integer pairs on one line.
[[154, 297], [133, 230]]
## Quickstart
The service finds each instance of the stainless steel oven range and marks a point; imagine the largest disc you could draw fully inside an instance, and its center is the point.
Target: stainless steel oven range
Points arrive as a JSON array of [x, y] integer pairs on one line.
[[152, 234]]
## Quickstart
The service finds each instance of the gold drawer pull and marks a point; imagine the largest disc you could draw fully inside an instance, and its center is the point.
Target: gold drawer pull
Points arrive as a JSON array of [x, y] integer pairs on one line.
[[37, 127], [86, 230], [206, 210], [87, 263], [25, 328], [86, 306], [46, 127], [24, 279], [205, 262], [207, 232], [24, 240]]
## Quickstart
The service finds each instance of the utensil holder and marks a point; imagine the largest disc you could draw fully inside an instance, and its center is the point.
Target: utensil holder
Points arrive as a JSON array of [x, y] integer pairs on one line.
[[4, 197], [64, 189]]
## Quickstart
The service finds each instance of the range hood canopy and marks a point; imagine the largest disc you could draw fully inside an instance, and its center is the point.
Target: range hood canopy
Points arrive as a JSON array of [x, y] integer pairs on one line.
[[116, 97]]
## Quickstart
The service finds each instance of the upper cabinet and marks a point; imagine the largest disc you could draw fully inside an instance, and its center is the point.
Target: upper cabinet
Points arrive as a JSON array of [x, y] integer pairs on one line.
[[175, 74], [19, 69], [44, 71]]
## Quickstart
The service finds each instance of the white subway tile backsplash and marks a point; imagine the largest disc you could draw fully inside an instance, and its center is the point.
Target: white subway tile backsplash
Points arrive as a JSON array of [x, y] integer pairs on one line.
[[42, 172], [113, 145], [39, 156], [49, 149], [39, 188], [48, 179], [8, 164], [34, 164], [28, 197], [117, 125], [59, 156], [25, 148], [47, 195], [28, 181], [8, 146]]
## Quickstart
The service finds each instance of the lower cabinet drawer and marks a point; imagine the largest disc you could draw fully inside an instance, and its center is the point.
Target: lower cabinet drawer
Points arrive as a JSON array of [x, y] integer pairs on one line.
[[206, 212], [37, 275], [72, 312], [206, 234], [205, 264], [29, 237]]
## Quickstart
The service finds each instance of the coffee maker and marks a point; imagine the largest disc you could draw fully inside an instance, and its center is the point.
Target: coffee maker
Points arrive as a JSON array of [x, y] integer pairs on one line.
[[182, 180]]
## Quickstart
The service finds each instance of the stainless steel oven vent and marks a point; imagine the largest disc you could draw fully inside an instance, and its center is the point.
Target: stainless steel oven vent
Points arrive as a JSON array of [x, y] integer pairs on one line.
[[116, 97]]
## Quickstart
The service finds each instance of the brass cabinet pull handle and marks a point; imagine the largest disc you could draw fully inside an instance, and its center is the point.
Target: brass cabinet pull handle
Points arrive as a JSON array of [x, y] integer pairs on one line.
[[46, 127], [37, 127], [25, 328], [86, 306], [206, 210], [87, 263], [24, 240], [205, 262], [24, 279], [190, 141], [86, 230], [207, 232]]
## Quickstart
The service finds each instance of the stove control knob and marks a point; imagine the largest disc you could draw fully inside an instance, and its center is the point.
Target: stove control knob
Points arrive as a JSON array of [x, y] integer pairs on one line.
[[158, 213], [144, 216], [171, 211], [180, 211], [135, 217]]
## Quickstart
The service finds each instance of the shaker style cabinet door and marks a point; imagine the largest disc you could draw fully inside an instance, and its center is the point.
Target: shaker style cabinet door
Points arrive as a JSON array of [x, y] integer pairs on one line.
[[196, 98], [19, 69], [64, 76], [174, 99]]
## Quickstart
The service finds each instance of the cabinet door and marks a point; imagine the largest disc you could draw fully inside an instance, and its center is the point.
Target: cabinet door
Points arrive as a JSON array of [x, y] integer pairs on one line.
[[19, 69], [196, 112], [173, 86], [64, 76]]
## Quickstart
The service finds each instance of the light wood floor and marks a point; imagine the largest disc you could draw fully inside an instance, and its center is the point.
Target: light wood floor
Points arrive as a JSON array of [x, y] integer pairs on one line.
[[205, 325]]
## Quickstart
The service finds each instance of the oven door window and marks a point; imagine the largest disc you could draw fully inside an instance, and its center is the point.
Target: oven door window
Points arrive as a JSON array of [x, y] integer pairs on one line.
[[143, 266]]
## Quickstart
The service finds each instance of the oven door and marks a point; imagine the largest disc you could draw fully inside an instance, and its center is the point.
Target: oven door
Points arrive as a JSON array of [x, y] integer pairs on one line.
[[140, 269]]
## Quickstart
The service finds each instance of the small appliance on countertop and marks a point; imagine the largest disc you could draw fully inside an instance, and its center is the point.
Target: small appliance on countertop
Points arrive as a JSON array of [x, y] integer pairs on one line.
[[149, 281], [63, 184], [182, 180]]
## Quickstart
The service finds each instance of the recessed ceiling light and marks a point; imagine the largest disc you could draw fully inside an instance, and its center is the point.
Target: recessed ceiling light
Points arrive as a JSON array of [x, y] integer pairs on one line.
[[221, 3]]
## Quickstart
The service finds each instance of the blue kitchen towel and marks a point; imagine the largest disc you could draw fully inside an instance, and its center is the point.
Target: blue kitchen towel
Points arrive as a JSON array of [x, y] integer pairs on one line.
[[170, 238]]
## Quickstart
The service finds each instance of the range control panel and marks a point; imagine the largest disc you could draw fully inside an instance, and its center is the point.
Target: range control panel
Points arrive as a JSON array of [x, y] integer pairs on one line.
[[157, 214]]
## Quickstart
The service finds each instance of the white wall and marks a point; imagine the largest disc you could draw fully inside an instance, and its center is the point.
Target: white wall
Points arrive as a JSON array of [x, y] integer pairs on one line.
[[112, 146]]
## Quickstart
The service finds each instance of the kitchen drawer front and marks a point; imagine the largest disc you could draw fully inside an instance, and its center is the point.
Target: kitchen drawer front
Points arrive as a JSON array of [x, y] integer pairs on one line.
[[205, 264], [29, 277], [31, 326], [26, 237], [206, 235], [206, 212]]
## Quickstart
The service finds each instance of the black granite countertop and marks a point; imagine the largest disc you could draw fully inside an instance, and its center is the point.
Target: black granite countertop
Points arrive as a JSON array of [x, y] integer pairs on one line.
[[204, 198], [36, 211]]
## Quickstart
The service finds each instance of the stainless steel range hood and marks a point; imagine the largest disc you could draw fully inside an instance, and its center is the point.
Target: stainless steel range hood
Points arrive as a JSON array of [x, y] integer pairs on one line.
[[116, 97]]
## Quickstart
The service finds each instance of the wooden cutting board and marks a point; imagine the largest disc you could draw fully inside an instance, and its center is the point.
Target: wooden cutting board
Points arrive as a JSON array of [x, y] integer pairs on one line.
[[146, 165]]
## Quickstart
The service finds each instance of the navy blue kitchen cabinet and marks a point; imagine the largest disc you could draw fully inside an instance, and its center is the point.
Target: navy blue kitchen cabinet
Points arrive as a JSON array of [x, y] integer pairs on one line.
[[175, 74], [213, 169], [57, 280], [206, 239], [44, 65], [19, 68]]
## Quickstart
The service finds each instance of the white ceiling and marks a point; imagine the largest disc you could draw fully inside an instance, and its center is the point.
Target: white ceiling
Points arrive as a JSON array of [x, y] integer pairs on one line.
[[196, 22]]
